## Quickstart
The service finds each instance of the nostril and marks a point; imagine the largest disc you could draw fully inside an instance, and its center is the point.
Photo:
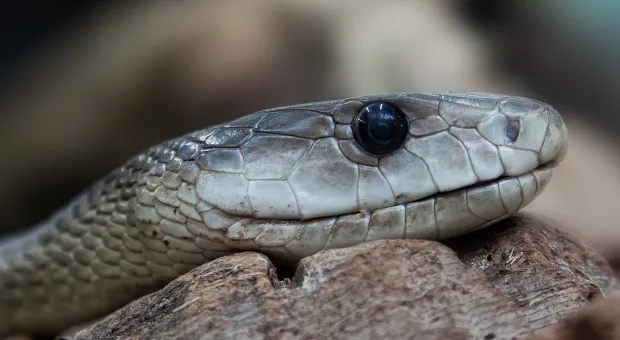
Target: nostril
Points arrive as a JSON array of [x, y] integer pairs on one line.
[[512, 130]]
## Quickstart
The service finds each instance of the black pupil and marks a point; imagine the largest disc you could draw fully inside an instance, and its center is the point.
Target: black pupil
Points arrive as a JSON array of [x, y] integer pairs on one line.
[[382, 124], [380, 128]]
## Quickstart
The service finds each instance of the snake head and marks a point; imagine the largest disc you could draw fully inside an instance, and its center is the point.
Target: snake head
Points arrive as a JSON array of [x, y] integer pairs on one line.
[[366, 153], [293, 180]]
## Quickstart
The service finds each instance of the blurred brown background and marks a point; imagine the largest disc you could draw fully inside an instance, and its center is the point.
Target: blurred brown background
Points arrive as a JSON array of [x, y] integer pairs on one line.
[[86, 84]]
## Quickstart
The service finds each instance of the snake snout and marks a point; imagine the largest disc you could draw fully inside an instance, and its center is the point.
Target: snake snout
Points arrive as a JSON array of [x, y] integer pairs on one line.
[[555, 147]]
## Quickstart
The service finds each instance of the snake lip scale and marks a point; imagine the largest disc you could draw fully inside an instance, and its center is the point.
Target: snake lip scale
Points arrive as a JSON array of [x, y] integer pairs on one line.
[[287, 182]]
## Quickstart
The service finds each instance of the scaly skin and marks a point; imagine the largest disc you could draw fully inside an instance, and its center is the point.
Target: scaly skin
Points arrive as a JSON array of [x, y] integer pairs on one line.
[[288, 182]]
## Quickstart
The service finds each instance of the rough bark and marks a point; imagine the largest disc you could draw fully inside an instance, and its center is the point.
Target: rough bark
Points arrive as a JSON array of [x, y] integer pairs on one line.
[[502, 283], [600, 321]]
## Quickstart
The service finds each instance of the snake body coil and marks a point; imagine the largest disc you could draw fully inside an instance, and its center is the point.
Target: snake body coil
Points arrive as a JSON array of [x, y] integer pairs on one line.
[[288, 182]]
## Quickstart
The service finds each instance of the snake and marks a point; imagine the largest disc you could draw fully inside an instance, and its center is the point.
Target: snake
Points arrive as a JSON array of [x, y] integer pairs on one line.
[[287, 182]]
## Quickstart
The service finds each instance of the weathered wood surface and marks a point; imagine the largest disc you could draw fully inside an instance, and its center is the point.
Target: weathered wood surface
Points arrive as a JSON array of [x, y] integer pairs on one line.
[[505, 282]]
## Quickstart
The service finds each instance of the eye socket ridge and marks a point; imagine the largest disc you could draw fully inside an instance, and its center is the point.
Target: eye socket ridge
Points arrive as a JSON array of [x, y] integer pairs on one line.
[[380, 128]]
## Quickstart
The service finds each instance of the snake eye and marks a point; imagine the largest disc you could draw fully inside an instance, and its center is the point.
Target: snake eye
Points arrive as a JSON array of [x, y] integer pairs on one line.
[[380, 128]]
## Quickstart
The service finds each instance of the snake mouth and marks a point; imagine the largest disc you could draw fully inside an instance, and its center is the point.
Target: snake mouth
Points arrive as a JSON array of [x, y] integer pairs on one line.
[[540, 182], [537, 176], [485, 203], [543, 167]]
